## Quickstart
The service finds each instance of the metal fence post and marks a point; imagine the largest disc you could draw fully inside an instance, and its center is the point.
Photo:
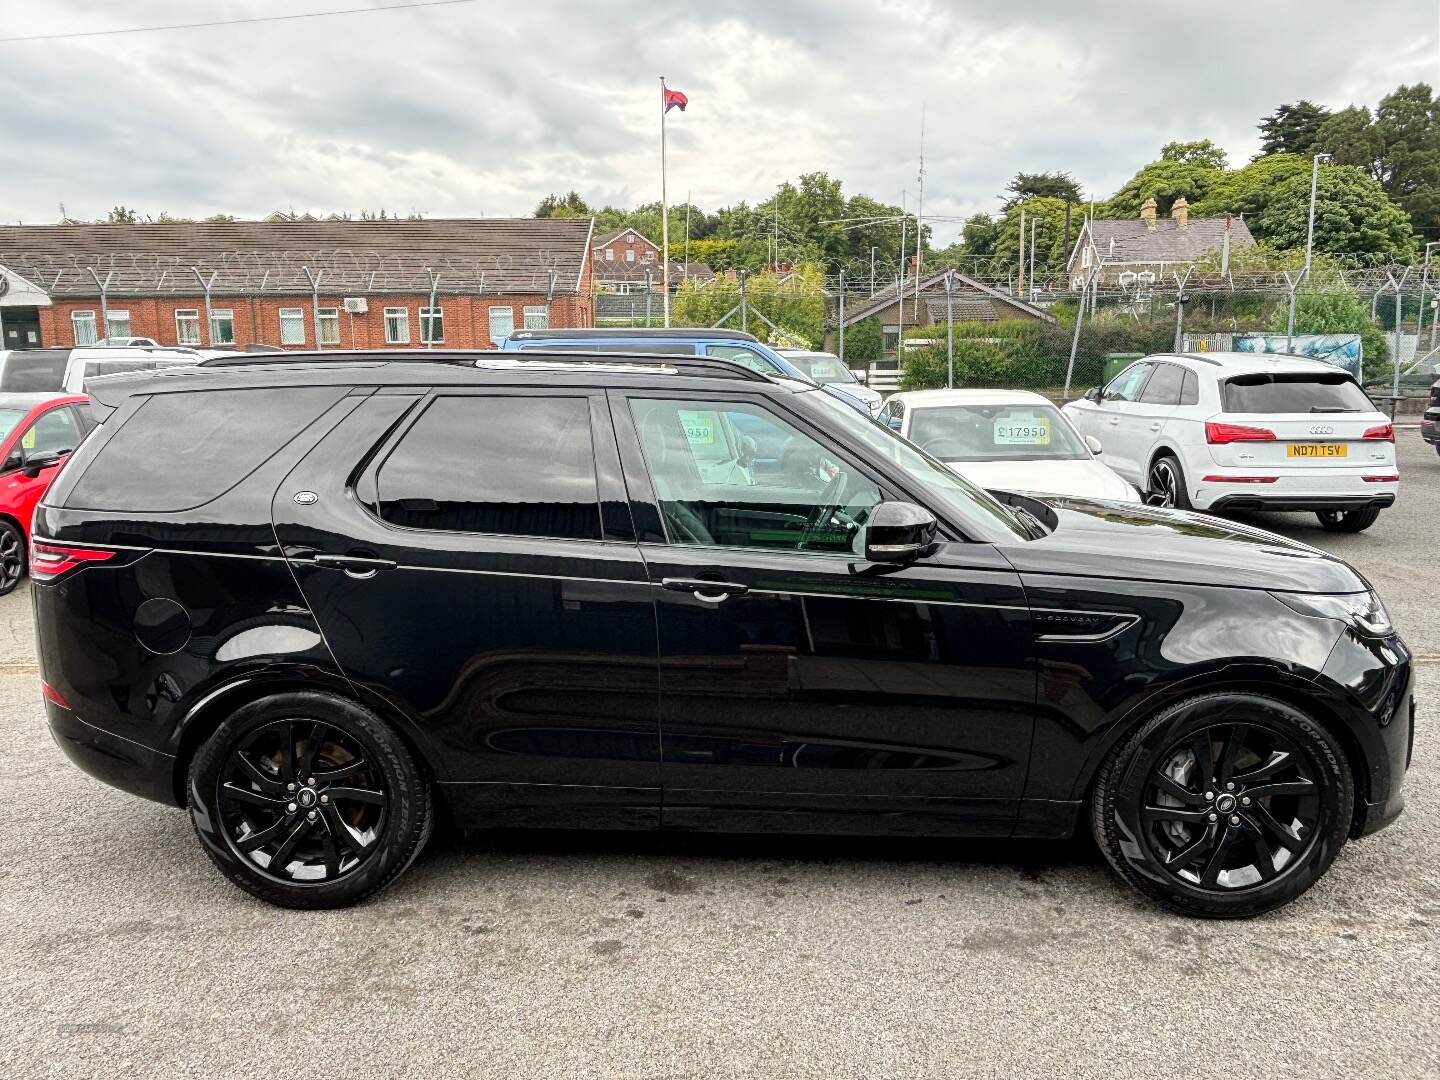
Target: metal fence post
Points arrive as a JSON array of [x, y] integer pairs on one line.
[[314, 280], [434, 287], [950, 329], [1180, 302], [549, 299], [1075, 341], [744, 304], [209, 314], [104, 287], [842, 318]]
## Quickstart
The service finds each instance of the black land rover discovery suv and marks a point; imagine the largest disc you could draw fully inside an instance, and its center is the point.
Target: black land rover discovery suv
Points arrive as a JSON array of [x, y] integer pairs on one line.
[[317, 599]]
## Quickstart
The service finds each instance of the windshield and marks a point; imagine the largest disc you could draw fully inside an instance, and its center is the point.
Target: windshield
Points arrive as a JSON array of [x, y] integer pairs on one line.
[[822, 367], [972, 507], [995, 433], [1303, 392]]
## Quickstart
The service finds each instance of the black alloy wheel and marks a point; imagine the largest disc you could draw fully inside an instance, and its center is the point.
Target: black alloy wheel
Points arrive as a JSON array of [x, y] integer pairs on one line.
[[12, 557], [308, 800], [1347, 521], [1225, 805], [1165, 484]]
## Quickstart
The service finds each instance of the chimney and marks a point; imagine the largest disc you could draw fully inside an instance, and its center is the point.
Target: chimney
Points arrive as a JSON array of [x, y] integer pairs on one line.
[[1147, 212], [1181, 212]]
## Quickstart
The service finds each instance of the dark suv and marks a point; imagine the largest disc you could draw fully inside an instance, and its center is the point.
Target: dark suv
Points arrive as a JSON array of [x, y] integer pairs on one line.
[[317, 599]]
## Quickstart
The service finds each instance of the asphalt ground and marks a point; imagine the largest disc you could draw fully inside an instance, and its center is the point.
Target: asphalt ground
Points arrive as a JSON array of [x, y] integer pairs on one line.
[[123, 953]]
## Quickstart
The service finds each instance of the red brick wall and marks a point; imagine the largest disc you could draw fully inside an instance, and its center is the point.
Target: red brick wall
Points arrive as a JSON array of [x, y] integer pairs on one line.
[[618, 247], [257, 319]]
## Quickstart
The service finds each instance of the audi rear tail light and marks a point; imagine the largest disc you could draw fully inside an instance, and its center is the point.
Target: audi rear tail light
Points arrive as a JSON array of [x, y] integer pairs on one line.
[[1219, 434], [1382, 432]]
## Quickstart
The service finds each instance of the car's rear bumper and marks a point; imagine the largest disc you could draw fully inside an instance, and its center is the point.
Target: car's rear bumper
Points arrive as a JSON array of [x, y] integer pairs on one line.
[[1430, 428], [117, 761], [1251, 501], [1271, 488]]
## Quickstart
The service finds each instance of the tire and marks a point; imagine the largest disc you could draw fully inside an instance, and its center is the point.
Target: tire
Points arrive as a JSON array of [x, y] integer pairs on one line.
[[1151, 816], [1347, 521], [1165, 484], [13, 557], [349, 835]]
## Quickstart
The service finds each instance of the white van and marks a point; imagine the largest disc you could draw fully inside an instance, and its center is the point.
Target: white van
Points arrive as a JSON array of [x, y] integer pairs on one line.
[[56, 370]]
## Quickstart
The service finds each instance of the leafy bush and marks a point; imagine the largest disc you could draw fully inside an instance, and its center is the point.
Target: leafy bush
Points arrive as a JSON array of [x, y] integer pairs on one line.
[[864, 341]]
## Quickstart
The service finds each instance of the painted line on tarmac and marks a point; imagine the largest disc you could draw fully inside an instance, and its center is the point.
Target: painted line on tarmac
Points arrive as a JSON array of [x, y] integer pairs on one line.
[[19, 669]]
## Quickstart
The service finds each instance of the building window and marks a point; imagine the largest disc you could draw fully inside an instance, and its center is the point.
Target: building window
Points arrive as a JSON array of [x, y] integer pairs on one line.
[[432, 325], [397, 326], [537, 317], [222, 326], [630, 255], [187, 326], [502, 323], [1085, 256], [84, 324], [609, 254], [329, 325], [292, 326], [118, 325]]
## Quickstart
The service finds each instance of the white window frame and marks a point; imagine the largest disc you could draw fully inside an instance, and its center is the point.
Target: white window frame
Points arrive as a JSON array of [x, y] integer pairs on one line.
[[609, 254], [630, 255], [80, 319], [428, 318], [401, 318], [509, 320], [537, 317], [222, 317], [290, 318], [118, 317], [187, 326], [328, 329]]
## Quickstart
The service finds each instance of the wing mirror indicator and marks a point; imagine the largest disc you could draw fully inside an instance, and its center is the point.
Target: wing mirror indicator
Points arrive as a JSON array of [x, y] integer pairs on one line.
[[899, 532]]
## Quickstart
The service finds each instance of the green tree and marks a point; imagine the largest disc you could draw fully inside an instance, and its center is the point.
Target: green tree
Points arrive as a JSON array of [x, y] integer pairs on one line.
[[865, 340], [1043, 185], [1352, 214], [1201, 152], [220, 217], [1249, 190], [1292, 129], [569, 205], [1048, 219], [1165, 181], [122, 215], [979, 235], [796, 304]]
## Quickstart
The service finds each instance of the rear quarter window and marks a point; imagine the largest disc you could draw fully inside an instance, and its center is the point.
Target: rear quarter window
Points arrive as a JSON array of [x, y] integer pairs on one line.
[[179, 451], [1294, 392]]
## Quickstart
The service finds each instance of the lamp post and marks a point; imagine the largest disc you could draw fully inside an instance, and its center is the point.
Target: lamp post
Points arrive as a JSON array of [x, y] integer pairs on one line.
[[1309, 245]]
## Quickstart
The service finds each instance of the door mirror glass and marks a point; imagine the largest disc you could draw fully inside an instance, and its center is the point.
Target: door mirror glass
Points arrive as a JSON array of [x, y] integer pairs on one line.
[[899, 532], [1093, 394], [1094, 445]]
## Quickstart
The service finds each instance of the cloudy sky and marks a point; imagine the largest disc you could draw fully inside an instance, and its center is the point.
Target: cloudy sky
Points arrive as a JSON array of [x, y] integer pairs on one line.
[[482, 107]]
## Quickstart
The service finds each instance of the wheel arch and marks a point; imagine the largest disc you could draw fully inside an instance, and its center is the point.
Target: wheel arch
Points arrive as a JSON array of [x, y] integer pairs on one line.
[[1259, 679], [206, 715]]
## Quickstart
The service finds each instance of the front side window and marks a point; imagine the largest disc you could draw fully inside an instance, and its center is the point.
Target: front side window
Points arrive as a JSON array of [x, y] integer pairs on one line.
[[118, 324], [329, 325], [432, 325], [1126, 386], [537, 317], [994, 433], [731, 474], [1164, 386], [56, 431], [84, 324], [222, 326], [292, 326], [741, 355], [397, 326], [187, 326], [502, 323], [514, 466]]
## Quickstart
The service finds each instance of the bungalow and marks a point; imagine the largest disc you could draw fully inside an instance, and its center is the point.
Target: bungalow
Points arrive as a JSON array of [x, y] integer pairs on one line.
[[1149, 249]]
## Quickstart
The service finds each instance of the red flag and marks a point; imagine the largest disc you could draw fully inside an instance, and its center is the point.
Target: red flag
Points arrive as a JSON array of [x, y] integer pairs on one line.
[[674, 99]]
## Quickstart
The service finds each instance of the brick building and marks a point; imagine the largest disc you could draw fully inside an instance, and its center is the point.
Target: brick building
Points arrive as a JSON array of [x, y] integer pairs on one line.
[[352, 284]]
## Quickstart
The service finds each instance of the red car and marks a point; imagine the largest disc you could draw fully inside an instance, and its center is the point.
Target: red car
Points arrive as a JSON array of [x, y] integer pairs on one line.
[[37, 433]]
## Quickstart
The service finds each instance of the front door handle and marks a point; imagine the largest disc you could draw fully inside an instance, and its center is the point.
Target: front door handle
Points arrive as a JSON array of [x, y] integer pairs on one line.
[[358, 566], [712, 592], [1114, 420], [1155, 426]]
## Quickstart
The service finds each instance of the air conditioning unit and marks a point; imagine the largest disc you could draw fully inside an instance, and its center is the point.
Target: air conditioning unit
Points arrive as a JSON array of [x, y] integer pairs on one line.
[[356, 305]]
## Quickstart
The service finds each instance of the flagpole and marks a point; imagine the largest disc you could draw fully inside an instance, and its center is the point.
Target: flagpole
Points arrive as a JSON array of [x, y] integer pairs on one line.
[[664, 210]]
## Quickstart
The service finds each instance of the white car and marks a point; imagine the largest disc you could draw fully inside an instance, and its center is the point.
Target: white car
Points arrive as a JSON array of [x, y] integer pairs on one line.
[[827, 370], [1010, 440], [1246, 431], [67, 370]]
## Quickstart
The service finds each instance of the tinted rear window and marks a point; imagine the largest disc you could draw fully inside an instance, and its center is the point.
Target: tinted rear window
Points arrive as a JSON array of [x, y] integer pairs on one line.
[[179, 451], [38, 369], [1295, 393]]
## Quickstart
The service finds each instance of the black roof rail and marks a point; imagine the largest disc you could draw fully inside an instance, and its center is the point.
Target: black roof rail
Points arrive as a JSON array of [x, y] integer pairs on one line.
[[682, 363], [1201, 357], [580, 334]]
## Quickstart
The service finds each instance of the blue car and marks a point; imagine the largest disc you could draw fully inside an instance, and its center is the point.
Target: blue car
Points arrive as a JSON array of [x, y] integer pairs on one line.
[[736, 347]]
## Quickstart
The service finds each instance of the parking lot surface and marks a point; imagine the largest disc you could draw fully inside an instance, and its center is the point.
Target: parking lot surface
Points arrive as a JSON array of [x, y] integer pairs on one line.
[[575, 955]]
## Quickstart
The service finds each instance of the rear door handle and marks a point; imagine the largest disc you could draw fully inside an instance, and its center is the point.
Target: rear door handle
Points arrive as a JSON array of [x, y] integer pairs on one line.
[[355, 565], [1114, 420], [711, 591]]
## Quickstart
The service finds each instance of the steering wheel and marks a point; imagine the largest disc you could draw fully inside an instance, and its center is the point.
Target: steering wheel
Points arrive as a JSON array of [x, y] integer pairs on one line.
[[942, 446], [827, 508]]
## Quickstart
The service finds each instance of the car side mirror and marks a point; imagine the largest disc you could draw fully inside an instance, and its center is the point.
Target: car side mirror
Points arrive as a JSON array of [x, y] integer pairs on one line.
[[1093, 394], [1094, 445], [861, 374], [899, 532], [38, 462]]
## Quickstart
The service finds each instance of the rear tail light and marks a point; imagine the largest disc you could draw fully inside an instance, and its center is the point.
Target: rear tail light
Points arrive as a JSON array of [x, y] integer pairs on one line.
[[1239, 479], [1383, 478], [1381, 432], [1219, 434], [49, 561], [50, 694]]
